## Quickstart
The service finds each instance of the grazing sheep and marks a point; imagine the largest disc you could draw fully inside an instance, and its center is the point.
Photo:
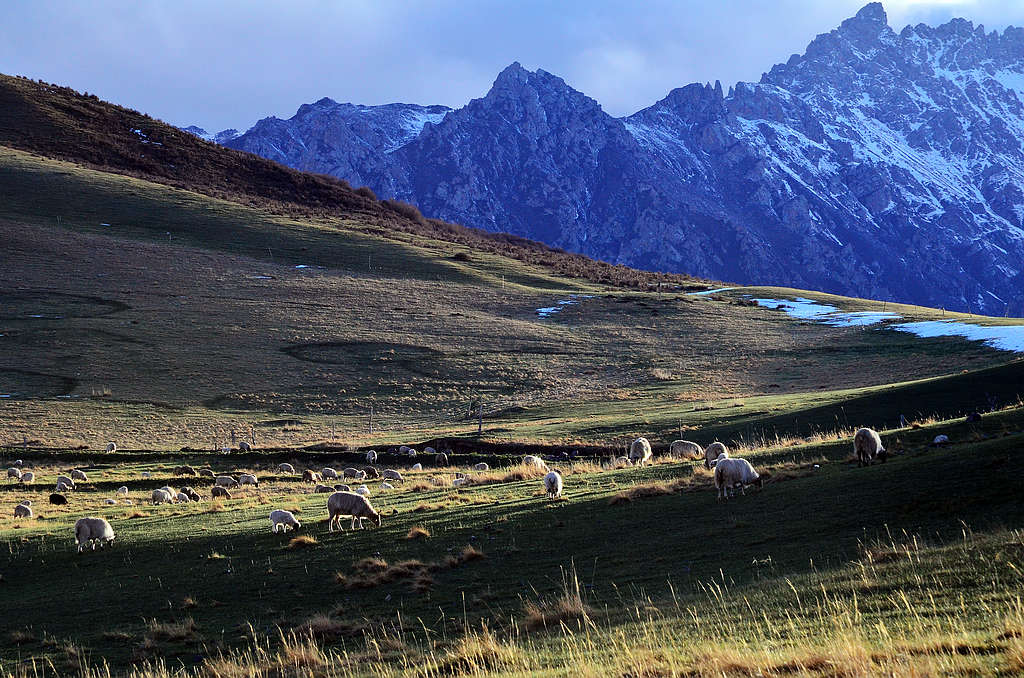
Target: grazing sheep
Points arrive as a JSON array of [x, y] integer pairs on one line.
[[459, 482], [283, 519], [248, 479], [733, 473], [63, 487], [441, 459], [93, 531], [110, 502], [221, 492], [311, 476], [162, 497], [392, 474], [170, 490], [147, 474], [79, 476], [350, 504], [58, 499], [640, 451], [482, 466], [622, 461], [226, 481], [67, 481], [531, 460], [207, 473], [22, 511], [371, 457], [13, 474], [712, 452], [868, 445], [285, 468], [243, 446], [371, 472], [429, 450], [111, 447], [182, 498], [363, 490], [686, 449], [417, 467], [342, 488], [183, 470], [553, 484], [387, 486], [328, 472], [723, 455], [941, 439], [405, 449], [27, 478], [123, 491], [190, 493], [353, 473], [323, 489]]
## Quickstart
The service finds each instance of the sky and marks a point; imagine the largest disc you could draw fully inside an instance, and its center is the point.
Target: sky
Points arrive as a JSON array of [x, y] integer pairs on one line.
[[229, 63]]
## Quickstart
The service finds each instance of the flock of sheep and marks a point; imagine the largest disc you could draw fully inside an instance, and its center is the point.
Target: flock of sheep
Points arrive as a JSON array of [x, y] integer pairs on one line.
[[730, 475]]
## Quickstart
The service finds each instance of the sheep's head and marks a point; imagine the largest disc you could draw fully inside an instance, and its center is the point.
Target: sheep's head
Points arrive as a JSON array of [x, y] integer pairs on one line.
[[377, 519]]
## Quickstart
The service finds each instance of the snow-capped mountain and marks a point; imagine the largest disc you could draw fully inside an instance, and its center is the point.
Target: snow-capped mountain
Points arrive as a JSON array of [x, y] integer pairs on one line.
[[876, 164], [221, 137]]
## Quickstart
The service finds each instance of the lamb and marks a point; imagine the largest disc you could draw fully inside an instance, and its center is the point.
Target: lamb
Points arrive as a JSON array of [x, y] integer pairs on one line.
[[248, 479], [392, 474], [342, 488], [350, 504], [712, 452], [27, 478], [323, 489], [284, 520], [387, 486], [123, 491], [371, 457], [93, 531], [328, 472], [243, 446], [162, 497], [531, 460], [363, 490], [640, 451], [482, 466], [686, 449], [417, 467], [226, 481], [371, 472], [67, 481], [285, 468], [111, 447], [184, 470], [22, 511], [868, 445], [182, 498], [221, 492], [13, 474], [553, 484], [58, 499], [311, 476], [207, 473], [441, 459], [622, 461], [190, 493], [353, 473], [732, 473]]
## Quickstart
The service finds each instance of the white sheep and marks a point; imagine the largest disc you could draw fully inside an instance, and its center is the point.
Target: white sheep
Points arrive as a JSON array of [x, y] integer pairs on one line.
[[111, 447], [622, 461], [162, 497], [123, 491], [941, 439], [110, 502], [79, 476], [416, 467], [350, 504], [553, 484], [243, 446], [328, 472], [363, 490], [147, 474], [371, 457], [221, 492], [686, 449], [640, 451], [248, 479], [67, 481], [353, 473], [323, 489], [63, 487], [27, 478], [341, 487], [285, 468], [731, 473], [531, 460], [182, 498], [226, 481], [712, 452], [22, 511], [387, 486], [283, 519], [868, 446], [392, 474], [459, 482], [482, 466], [429, 450], [405, 449], [13, 474], [93, 530], [723, 455]]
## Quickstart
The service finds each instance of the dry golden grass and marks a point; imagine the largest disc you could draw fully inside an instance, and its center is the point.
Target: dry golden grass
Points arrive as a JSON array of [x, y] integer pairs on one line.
[[171, 631], [509, 475], [302, 541], [417, 532]]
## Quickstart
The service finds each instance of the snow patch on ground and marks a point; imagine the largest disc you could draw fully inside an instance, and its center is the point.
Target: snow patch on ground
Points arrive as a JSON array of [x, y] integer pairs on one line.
[[707, 292], [549, 311]]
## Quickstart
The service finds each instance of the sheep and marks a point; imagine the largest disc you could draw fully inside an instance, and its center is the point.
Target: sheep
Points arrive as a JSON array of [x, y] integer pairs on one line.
[[221, 492], [67, 481], [387, 486], [712, 452], [93, 530], [482, 466], [868, 445], [685, 448], [285, 468], [622, 461], [392, 474], [13, 474], [459, 482], [371, 472], [207, 473], [723, 455], [22, 511], [147, 474], [123, 491], [27, 478], [732, 473], [190, 493], [63, 487], [248, 479], [531, 460], [350, 504], [353, 473], [182, 498], [110, 502], [226, 481], [553, 484], [58, 499], [79, 476], [162, 497], [243, 446], [941, 439], [640, 451], [328, 472], [311, 476], [417, 467], [405, 449], [111, 447], [429, 450], [284, 520], [183, 470], [169, 490], [25, 502], [371, 457], [18, 462], [459, 474], [323, 489], [363, 490], [441, 459], [342, 488]]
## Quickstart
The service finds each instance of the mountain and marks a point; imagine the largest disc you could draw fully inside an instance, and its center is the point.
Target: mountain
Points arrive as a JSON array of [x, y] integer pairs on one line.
[[875, 164], [221, 137]]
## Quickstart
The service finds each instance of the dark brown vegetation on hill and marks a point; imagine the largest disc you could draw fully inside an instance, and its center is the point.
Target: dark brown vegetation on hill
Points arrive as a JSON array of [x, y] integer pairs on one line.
[[58, 122]]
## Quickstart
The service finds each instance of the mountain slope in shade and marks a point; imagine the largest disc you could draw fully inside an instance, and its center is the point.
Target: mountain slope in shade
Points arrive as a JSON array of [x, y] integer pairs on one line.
[[875, 164]]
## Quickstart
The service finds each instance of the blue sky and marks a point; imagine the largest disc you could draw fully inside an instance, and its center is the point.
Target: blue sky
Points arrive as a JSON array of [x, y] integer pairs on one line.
[[226, 64]]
